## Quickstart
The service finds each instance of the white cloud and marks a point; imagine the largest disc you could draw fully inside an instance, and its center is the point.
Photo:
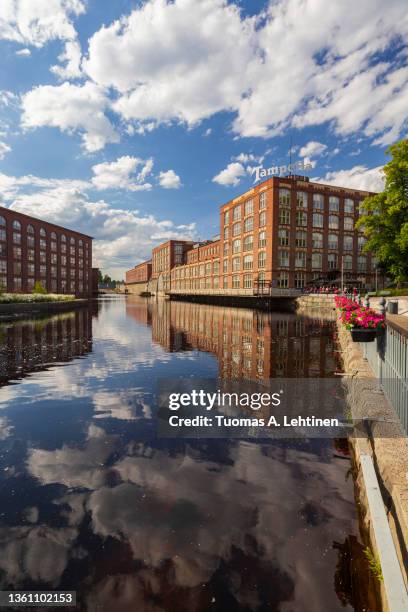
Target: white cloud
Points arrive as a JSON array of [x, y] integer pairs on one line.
[[312, 148], [231, 175], [70, 108], [169, 180], [168, 60], [121, 174], [72, 58], [35, 22], [23, 52], [244, 158], [358, 177], [4, 149]]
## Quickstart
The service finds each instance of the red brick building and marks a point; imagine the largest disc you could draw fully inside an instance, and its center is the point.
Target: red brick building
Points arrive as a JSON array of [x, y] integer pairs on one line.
[[139, 274], [286, 232], [32, 250]]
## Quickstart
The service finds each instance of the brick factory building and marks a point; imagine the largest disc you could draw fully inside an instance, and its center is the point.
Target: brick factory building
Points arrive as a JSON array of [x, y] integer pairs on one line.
[[286, 232], [32, 250], [137, 279]]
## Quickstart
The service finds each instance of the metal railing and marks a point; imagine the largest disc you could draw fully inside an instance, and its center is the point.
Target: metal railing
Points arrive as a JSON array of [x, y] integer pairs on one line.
[[388, 358]]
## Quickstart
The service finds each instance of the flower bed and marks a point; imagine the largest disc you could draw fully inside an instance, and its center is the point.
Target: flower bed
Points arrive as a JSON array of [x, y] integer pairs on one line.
[[28, 298], [363, 322]]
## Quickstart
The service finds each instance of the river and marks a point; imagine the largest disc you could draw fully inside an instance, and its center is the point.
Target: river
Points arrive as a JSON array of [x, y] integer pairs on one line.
[[92, 500]]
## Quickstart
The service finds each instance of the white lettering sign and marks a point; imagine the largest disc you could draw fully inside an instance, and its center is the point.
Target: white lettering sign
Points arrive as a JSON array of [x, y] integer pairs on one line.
[[261, 172]]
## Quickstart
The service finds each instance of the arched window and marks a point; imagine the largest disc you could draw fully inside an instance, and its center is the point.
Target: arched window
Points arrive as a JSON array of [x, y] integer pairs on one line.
[[2, 222], [333, 241], [17, 225], [72, 240], [348, 243], [347, 262], [30, 229], [43, 232], [63, 238], [80, 243], [53, 236]]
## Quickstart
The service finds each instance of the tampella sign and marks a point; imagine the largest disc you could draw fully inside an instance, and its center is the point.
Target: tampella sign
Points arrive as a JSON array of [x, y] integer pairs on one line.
[[261, 172]]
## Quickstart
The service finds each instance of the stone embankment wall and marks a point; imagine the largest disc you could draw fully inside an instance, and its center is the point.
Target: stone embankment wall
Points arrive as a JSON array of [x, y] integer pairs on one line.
[[136, 288], [316, 306], [385, 442]]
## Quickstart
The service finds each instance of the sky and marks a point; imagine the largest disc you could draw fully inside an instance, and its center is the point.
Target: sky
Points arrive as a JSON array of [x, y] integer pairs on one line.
[[134, 121]]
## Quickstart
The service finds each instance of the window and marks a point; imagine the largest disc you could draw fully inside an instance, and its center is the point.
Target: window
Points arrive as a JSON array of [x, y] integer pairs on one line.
[[63, 238], [43, 232], [361, 243], [262, 239], [333, 204], [53, 258], [301, 218], [318, 201], [17, 283], [63, 272], [249, 207], [235, 281], [333, 241], [30, 284], [3, 235], [284, 216], [301, 238], [216, 268], [3, 250], [226, 217], [53, 246], [248, 262], [236, 246], [72, 240], [262, 219], [30, 229], [317, 240], [43, 257], [236, 229], [208, 269], [317, 220], [300, 259], [30, 241], [299, 280], [30, 254], [283, 237], [30, 269], [333, 222], [2, 222], [248, 244], [348, 223], [284, 198], [332, 261], [248, 224], [348, 243], [236, 264], [316, 261], [16, 238], [225, 282], [283, 280], [236, 213], [348, 206], [17, 226], [17, 252], [225, 266], [347, 262], [17, 268], [63, 260], [43, 270], [301, 199], [361, 263], [248, 281], [43, 244], [54, 236], [283, 258], [261, 259], [226, 233], [226, 248], [262, 200]]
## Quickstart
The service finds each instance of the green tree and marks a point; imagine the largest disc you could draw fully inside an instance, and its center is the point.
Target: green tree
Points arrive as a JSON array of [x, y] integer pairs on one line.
[[100, 277], [107, 279], [38, 288], [385, 217]]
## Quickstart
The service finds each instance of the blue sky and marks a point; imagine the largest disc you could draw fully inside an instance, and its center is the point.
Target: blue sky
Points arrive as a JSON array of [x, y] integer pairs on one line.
[[134, 121]]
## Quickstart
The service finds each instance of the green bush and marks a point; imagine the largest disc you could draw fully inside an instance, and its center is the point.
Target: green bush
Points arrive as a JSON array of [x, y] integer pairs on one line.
[[27, 298], [38, 288]]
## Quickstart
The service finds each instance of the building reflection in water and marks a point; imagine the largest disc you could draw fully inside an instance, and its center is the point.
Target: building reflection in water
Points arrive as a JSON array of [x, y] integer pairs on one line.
[[248, 344], [32, 345]]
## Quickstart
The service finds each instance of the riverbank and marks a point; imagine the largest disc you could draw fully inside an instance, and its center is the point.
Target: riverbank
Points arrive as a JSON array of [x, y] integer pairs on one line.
[[17, 311], [385, 442]]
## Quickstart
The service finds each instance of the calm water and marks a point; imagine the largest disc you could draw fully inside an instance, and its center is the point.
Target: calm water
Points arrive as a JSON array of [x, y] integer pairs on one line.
[[93, 501]]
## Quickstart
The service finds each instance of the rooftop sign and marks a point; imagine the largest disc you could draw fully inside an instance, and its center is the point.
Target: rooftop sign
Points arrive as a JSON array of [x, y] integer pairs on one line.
[[261, 172]]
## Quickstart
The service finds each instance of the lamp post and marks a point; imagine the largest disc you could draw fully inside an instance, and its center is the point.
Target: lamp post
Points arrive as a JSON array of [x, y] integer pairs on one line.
[[342, 273]]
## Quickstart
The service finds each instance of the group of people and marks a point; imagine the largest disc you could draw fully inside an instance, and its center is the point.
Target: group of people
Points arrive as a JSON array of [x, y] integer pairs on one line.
[[329, 289]]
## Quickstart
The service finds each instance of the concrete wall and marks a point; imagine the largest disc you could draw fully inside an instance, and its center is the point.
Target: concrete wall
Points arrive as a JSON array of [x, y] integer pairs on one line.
[[136, 288]]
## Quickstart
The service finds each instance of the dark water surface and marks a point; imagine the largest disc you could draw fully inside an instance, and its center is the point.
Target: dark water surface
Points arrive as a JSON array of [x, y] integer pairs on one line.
[[93, 501]]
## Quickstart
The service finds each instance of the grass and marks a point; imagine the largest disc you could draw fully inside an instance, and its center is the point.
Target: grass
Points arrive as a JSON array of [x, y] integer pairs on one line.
[[374, 564], [32, 298]]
